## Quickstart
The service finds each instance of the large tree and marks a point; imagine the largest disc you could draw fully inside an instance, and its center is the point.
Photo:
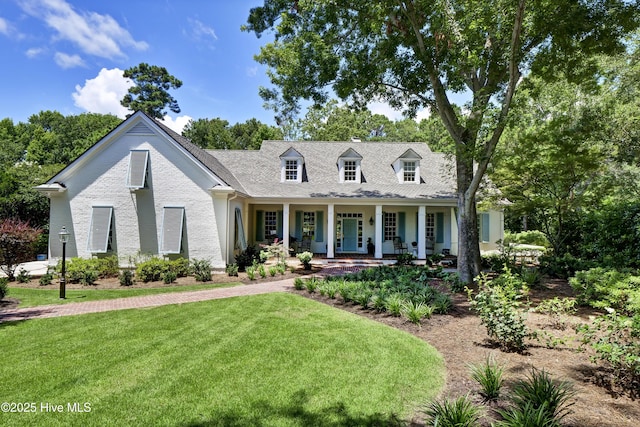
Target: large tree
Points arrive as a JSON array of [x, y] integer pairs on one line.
[[150, 92], [216, 133], [415, 53]]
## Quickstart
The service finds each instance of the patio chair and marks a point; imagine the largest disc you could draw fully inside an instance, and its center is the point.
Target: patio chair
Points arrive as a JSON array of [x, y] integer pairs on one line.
[[305, 244], [399, 246]]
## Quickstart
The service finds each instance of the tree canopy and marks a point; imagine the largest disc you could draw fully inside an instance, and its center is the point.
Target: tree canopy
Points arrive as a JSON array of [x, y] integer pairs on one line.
[[150, 92], [416, 53], [217, 134]]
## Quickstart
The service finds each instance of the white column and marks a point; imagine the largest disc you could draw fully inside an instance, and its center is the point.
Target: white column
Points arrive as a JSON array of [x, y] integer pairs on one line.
[[422, 253], [379, 221], [331, 231], [285, 228]]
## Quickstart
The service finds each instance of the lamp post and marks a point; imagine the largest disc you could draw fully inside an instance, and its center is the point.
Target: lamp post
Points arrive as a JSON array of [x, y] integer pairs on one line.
[[64, 238]]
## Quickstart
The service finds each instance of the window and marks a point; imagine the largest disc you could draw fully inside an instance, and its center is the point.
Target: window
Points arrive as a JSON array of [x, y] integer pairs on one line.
[[100, 229], [350, 168], [291, 170], [172, 223], [270, 224], [309, 224], [483, 227], [389, 225], [430, 226], [409, 174], [137, 176]]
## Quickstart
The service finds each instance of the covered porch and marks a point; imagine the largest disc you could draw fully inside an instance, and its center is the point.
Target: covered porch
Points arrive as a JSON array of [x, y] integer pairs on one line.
[[343, 230]]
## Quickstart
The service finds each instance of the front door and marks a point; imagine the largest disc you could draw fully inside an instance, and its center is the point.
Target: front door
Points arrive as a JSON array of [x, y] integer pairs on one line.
[[350, 234]]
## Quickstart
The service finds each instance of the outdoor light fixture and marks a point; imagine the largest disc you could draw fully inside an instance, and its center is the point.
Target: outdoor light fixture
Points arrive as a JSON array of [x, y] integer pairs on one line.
[[64, 238], [371, 221]]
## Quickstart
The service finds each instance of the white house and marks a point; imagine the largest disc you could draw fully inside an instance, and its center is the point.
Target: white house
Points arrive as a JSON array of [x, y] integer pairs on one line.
[[144, 189]]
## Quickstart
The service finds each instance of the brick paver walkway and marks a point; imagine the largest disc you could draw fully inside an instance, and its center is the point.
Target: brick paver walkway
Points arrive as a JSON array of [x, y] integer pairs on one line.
[[74, 308]]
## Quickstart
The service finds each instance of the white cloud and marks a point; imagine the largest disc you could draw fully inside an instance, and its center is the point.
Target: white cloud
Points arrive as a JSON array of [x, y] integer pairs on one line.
[[94, 34], [386, 110], [252, 71], [103, 93], [201, 31], [68, 61], [34, 52], [178, 124], [4, 26]]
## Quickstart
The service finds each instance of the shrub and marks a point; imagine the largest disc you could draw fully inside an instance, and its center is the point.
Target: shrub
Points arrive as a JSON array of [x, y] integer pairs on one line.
[[4, 287], [406, 258], [363, 297], [442, 303], [23, 276], [17, 244], [46, 279], [615, 339], [541, 393], [201, 270], [169, 277], [457, 413], [498, 305], [126, 278], [558, 309], [89, 277], [312, 284], [394, 304], [262, 271], [563, 266], [273, 270], [414, 312], [251, 272], [489, 376], [180, 266], [602, 288], [232, 270], [453, 281], [526, 416], [151, 270], [298, 284], [305, 258], [247, 258], [532, 237]]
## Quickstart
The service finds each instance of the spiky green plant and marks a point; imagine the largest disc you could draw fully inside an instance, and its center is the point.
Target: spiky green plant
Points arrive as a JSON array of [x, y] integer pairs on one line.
[[539, 390], [460, 412], [489, 376]]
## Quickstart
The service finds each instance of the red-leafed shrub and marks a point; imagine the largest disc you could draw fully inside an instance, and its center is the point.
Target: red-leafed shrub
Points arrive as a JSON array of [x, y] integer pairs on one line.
[[17, 240]]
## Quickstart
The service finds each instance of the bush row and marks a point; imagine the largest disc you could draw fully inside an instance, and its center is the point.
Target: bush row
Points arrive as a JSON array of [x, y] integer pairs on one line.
[[88, 271]]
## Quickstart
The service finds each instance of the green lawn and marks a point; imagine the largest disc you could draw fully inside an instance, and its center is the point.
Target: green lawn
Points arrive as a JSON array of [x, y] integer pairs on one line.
[[31, 297], [266, 360]]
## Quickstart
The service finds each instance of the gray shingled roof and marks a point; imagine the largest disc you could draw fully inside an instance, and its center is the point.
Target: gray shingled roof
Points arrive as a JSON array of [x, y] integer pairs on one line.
[[258, 171]]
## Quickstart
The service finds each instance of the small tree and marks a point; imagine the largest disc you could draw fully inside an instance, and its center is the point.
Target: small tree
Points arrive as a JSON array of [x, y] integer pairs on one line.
[[17, 239]]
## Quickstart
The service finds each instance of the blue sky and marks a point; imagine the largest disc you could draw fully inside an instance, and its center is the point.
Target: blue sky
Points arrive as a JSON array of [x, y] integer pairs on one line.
[[68, 56]]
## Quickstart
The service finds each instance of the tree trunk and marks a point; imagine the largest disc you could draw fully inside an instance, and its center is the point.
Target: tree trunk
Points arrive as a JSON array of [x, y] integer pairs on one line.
[[468, 238]]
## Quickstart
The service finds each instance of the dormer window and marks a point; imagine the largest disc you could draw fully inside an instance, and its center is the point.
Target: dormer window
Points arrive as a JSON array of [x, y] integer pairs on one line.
[[407, 167], [409, 171], [291, 170], [349, 166], [291, 164]]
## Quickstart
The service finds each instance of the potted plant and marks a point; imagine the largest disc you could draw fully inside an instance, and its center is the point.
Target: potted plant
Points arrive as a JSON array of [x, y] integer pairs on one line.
[[305, 259]]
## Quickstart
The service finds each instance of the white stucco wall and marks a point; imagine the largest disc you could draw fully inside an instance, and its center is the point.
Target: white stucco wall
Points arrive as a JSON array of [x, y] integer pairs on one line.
[[99, 179]]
